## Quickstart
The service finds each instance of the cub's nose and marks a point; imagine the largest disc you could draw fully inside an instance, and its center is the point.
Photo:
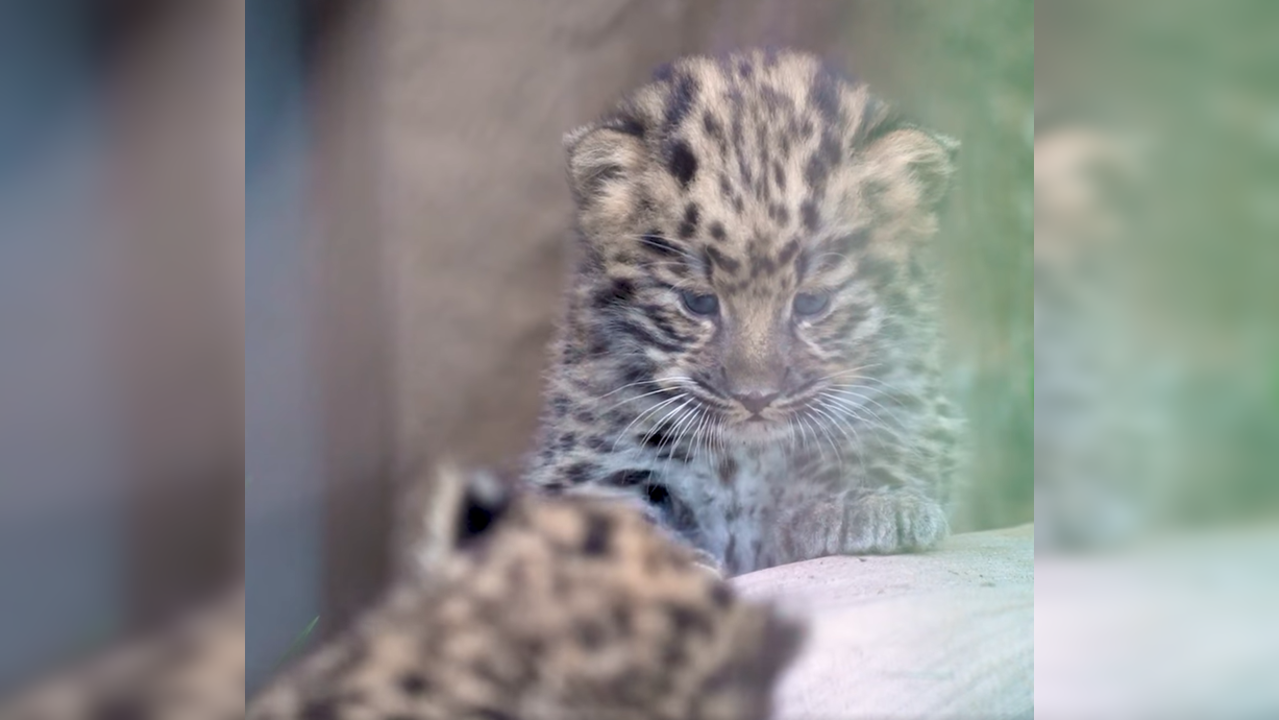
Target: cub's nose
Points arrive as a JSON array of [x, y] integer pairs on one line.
[[755, 402]]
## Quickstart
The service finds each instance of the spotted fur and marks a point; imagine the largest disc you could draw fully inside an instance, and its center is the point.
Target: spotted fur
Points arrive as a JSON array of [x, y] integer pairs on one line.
[[749, 349], [540, 609]]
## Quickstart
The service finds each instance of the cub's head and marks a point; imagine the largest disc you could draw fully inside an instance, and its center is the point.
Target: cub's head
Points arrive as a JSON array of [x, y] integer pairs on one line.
[[752, 227]]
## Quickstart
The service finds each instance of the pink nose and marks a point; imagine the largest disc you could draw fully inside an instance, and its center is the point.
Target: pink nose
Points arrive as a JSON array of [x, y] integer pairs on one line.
[[756, 402]]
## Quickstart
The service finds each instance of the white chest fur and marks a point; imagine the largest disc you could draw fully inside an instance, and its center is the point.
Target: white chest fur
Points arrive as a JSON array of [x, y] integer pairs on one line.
[[740, 495]]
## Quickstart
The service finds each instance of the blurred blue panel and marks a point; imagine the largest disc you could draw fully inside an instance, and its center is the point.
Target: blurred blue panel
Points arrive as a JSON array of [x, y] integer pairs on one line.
[[45, 78], [283, 502], [60, 477]]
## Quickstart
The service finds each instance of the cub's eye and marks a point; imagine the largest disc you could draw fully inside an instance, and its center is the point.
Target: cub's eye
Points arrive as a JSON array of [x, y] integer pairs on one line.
[[698, 303], [810, 304]]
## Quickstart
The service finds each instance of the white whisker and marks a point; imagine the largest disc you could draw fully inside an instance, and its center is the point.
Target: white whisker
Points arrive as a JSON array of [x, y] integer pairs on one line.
[[648, 412], [855, 409], [804, 426], [826, 431], [656, 426], [845, 428], [820, 410], [877, 429], [865, 402], [860, 379], [698, 437], [680, 427], [658, 391], [678, 379]]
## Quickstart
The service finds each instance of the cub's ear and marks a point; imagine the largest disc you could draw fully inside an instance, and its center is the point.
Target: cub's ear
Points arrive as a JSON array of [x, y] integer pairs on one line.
[[485, 498], [910, 169], [604, 161], [446, 510]]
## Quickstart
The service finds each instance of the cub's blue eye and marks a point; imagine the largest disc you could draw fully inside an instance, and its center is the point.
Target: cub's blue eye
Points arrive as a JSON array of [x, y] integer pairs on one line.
[[698, 303], [810, 304]]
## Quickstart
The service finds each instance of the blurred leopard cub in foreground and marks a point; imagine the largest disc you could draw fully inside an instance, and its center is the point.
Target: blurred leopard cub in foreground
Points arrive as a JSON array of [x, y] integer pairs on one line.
[[518, 608], [750, 349], [535, 609]]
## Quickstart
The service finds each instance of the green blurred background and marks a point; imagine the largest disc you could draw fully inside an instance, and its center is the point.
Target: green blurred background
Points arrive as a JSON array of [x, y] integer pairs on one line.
[[1193, 89]]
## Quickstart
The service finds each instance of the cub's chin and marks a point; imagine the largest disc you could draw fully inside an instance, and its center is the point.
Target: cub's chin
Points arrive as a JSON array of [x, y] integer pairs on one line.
[[758, 431]]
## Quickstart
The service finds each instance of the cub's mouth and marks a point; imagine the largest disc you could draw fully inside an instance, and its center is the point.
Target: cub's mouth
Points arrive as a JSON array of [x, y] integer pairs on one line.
[[758, 430], [753, 419]]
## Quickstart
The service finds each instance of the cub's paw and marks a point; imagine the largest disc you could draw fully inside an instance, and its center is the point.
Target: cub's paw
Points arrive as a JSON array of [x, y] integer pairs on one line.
[[887, 522]]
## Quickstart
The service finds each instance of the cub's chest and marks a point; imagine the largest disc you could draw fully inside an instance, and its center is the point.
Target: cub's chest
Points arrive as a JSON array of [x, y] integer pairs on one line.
[[744, 477], [733, 493]]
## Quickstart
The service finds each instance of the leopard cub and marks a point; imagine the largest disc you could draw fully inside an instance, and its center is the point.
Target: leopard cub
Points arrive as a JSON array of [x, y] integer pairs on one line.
[[749, 350], [526, 608], [516, 608]]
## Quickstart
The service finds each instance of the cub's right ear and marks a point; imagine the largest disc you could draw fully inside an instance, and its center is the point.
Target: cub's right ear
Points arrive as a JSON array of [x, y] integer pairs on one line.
[[604, 162]]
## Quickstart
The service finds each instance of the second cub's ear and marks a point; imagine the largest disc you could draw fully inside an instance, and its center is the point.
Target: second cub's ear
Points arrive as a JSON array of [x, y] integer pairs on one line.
[[445, 510], [604, 161], [485, 498]]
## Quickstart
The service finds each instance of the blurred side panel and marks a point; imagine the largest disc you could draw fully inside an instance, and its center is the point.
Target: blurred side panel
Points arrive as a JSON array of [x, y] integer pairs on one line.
[[352, 351], [121, 268], [320, 453], [1157, 169], [177, 332], [1157, 359], [283, 493], [62, 476]]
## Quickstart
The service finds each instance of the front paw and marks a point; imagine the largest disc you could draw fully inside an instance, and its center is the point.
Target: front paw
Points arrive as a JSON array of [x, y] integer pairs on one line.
[[893, 522]]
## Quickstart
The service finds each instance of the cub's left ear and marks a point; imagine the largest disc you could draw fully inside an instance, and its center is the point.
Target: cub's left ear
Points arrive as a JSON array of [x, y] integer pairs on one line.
[[445, 510], [485, 499], [603, 161], [911, 169]]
